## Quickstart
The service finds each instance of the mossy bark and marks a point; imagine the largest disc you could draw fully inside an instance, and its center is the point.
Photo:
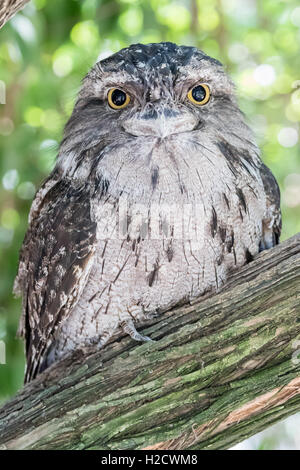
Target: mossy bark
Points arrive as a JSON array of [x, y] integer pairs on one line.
[[219, 371]]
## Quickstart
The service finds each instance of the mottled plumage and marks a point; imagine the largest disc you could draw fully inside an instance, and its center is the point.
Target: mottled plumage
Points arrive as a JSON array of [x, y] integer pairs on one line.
[[147, 207]]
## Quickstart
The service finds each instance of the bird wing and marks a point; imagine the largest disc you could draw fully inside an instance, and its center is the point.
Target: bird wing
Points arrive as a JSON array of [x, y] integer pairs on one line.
[[272, 220], [55, 262]]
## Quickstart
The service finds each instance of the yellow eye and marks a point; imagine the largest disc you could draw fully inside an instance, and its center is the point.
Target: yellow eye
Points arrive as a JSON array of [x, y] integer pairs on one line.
[[117, 99], [199, 95]]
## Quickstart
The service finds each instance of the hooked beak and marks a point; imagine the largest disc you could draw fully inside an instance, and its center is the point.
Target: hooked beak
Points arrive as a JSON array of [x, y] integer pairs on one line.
[[160, 122]]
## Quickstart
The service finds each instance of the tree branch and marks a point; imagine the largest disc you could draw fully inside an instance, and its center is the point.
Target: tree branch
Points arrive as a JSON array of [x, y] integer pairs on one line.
[[220, 370], [8, 8]]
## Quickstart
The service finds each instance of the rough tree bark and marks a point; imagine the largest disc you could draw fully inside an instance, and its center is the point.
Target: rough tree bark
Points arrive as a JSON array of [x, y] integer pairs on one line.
[[8, 8], [220, 370]]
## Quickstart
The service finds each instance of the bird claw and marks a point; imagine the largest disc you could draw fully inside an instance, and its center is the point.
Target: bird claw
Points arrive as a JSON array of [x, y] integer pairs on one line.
[[129, 328], [138, 337]]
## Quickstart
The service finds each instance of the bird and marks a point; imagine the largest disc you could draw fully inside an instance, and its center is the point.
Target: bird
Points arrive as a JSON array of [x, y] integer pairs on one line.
[[157, 196]]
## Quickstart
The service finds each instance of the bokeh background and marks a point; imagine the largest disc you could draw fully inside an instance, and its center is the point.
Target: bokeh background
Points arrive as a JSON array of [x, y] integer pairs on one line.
[[46, 49]]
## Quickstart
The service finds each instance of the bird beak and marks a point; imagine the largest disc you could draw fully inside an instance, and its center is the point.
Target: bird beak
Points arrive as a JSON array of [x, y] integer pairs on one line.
[[160, 122]]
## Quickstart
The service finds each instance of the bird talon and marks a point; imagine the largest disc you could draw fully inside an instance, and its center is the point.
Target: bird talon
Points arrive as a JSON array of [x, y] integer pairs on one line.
[[140, 337], [129, 328]]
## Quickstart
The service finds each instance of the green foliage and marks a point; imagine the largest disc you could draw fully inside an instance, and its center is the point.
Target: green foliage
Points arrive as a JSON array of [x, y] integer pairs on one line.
[[46, 50]]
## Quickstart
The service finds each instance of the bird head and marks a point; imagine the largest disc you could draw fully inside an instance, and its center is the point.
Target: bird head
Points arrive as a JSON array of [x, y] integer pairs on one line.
[[148, 108]]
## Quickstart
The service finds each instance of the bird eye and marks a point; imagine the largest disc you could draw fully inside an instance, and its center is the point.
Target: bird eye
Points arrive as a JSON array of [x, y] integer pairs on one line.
[[199, 95], [117, 99]]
